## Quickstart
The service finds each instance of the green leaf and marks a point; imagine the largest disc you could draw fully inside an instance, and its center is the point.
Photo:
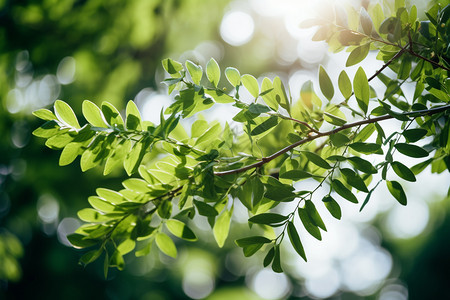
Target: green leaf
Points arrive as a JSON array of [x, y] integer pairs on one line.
[[362, 165], [252, 240], [233, 76], [112, 115], [396, 190], [222, 227], [269, 94], [343, 191], [126, 246], [365, 133], [264, 126], [403, 171], [366, 148], [166, 245], [339, 139], [332, 206], [93, 114], [90, 256], [413, 135], [251, 84], [353, 179], [81, 241], [268, 219], [295, 240], [269, 257], [106, 264], [134, 158], [361, 87], [69, 154], [345, 85], [411, 150], [44, 114], [326, 86], [295, 175], [65, 114], [258, 109], [205, 209], [309, 224], [357, 55], [280, 93], [314, 215], [213, 72], [219, 96], [332, 119], [276, 264], [181, 230], [133, 121], [171, 66], [316, 159], [195, 71], [101, 205]]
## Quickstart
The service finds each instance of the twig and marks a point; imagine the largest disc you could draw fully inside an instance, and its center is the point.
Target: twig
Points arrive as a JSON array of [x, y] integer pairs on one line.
[[310, 138]]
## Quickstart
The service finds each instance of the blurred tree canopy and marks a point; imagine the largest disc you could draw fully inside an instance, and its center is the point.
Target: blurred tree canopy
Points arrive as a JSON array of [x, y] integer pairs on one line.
[[111, 50]]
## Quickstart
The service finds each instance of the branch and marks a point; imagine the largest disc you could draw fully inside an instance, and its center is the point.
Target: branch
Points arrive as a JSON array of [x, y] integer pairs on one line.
[[387, 64], [310, 138]]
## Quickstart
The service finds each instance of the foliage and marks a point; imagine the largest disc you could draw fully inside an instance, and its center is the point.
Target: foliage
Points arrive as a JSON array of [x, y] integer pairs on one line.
[[329, 139]]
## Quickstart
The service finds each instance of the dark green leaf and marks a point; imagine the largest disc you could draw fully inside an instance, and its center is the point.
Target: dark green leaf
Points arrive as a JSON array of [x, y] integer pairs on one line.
[[332, 206], [295, 175], [268, 218], [269, 257], [316, 159], [397, 191], [362, 165], [295, 240], [258, 109], [252, 240], [366, 148], [353, 179], [343, 191], [314, 215], [264, 126], [403, 171], [205, 209], [411, 150], [81, 241], [90, 256], [413, 135], [276, 264], [339, 139], [309, 224]]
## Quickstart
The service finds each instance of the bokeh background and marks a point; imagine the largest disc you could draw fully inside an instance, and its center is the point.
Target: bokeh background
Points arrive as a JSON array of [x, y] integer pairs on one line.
[[111, 51]]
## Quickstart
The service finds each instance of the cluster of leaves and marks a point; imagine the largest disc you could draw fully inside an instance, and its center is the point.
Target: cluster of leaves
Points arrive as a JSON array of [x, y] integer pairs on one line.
[[206, 171]]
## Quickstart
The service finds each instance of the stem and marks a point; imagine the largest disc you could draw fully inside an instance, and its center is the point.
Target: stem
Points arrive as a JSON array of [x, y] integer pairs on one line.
[[312, 137]]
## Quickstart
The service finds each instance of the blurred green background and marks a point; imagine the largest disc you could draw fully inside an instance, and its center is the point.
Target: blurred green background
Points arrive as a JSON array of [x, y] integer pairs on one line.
[[111, 51]]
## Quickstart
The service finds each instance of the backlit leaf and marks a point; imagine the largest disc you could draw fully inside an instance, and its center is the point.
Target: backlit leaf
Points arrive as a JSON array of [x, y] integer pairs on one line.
[[251, 84], [222, 227], [93, 114], [332, 206], [361, 88], [166, 245], [326, 86], [233, 76], [295, 240], [213, 72], [65, 114], [181, 230], [403, 171], [345, 85], [195, 71], [357, 55], [396, 190]]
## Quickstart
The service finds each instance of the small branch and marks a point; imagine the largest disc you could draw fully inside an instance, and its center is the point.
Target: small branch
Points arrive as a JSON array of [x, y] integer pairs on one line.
[[310, 138], [410, 51], [299, 122], [387, 64]]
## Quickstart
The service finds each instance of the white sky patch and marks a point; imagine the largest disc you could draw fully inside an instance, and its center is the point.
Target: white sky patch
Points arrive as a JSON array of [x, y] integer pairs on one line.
[[237, 28]]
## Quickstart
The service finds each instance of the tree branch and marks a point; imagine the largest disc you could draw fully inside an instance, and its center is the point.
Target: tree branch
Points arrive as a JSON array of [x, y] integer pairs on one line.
[[312, 137]]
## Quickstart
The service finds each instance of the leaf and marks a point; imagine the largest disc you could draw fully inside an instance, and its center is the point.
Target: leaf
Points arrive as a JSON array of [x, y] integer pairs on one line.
[[339, 139], [403, 171], [314, 215], [268, 218], [366, 21], [44, 114], [365, 133], [295, 240], [101, 205], [251, 84], [361, 88], [181, 230], [362, 165], [65, 114], [133, 121], [195, 71], [166, 245], [353, 179], [357, 55], [413, 135], [112, 115], [69, 154], [213, 72], [222, 227], [171, 66], [93, 114], [233, 76], [252, 240], [90, 256], [81, 241], [205, 209], [294, 175], [326, 86], [126, 246], [276, 264], [332, 119], [268, 94], [345, 85], [396, 190], [316, 159], [366, 148], [280, 93], [411, 150], [269, 257], [343, 191], [258, 109], [309, 224], [264, 126], [332, 206]]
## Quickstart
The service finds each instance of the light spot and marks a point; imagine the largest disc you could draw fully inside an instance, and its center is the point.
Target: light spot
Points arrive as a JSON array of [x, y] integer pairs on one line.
[[67, 226], [198, 284], [408, 221], [66, 70], [237, 28]]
